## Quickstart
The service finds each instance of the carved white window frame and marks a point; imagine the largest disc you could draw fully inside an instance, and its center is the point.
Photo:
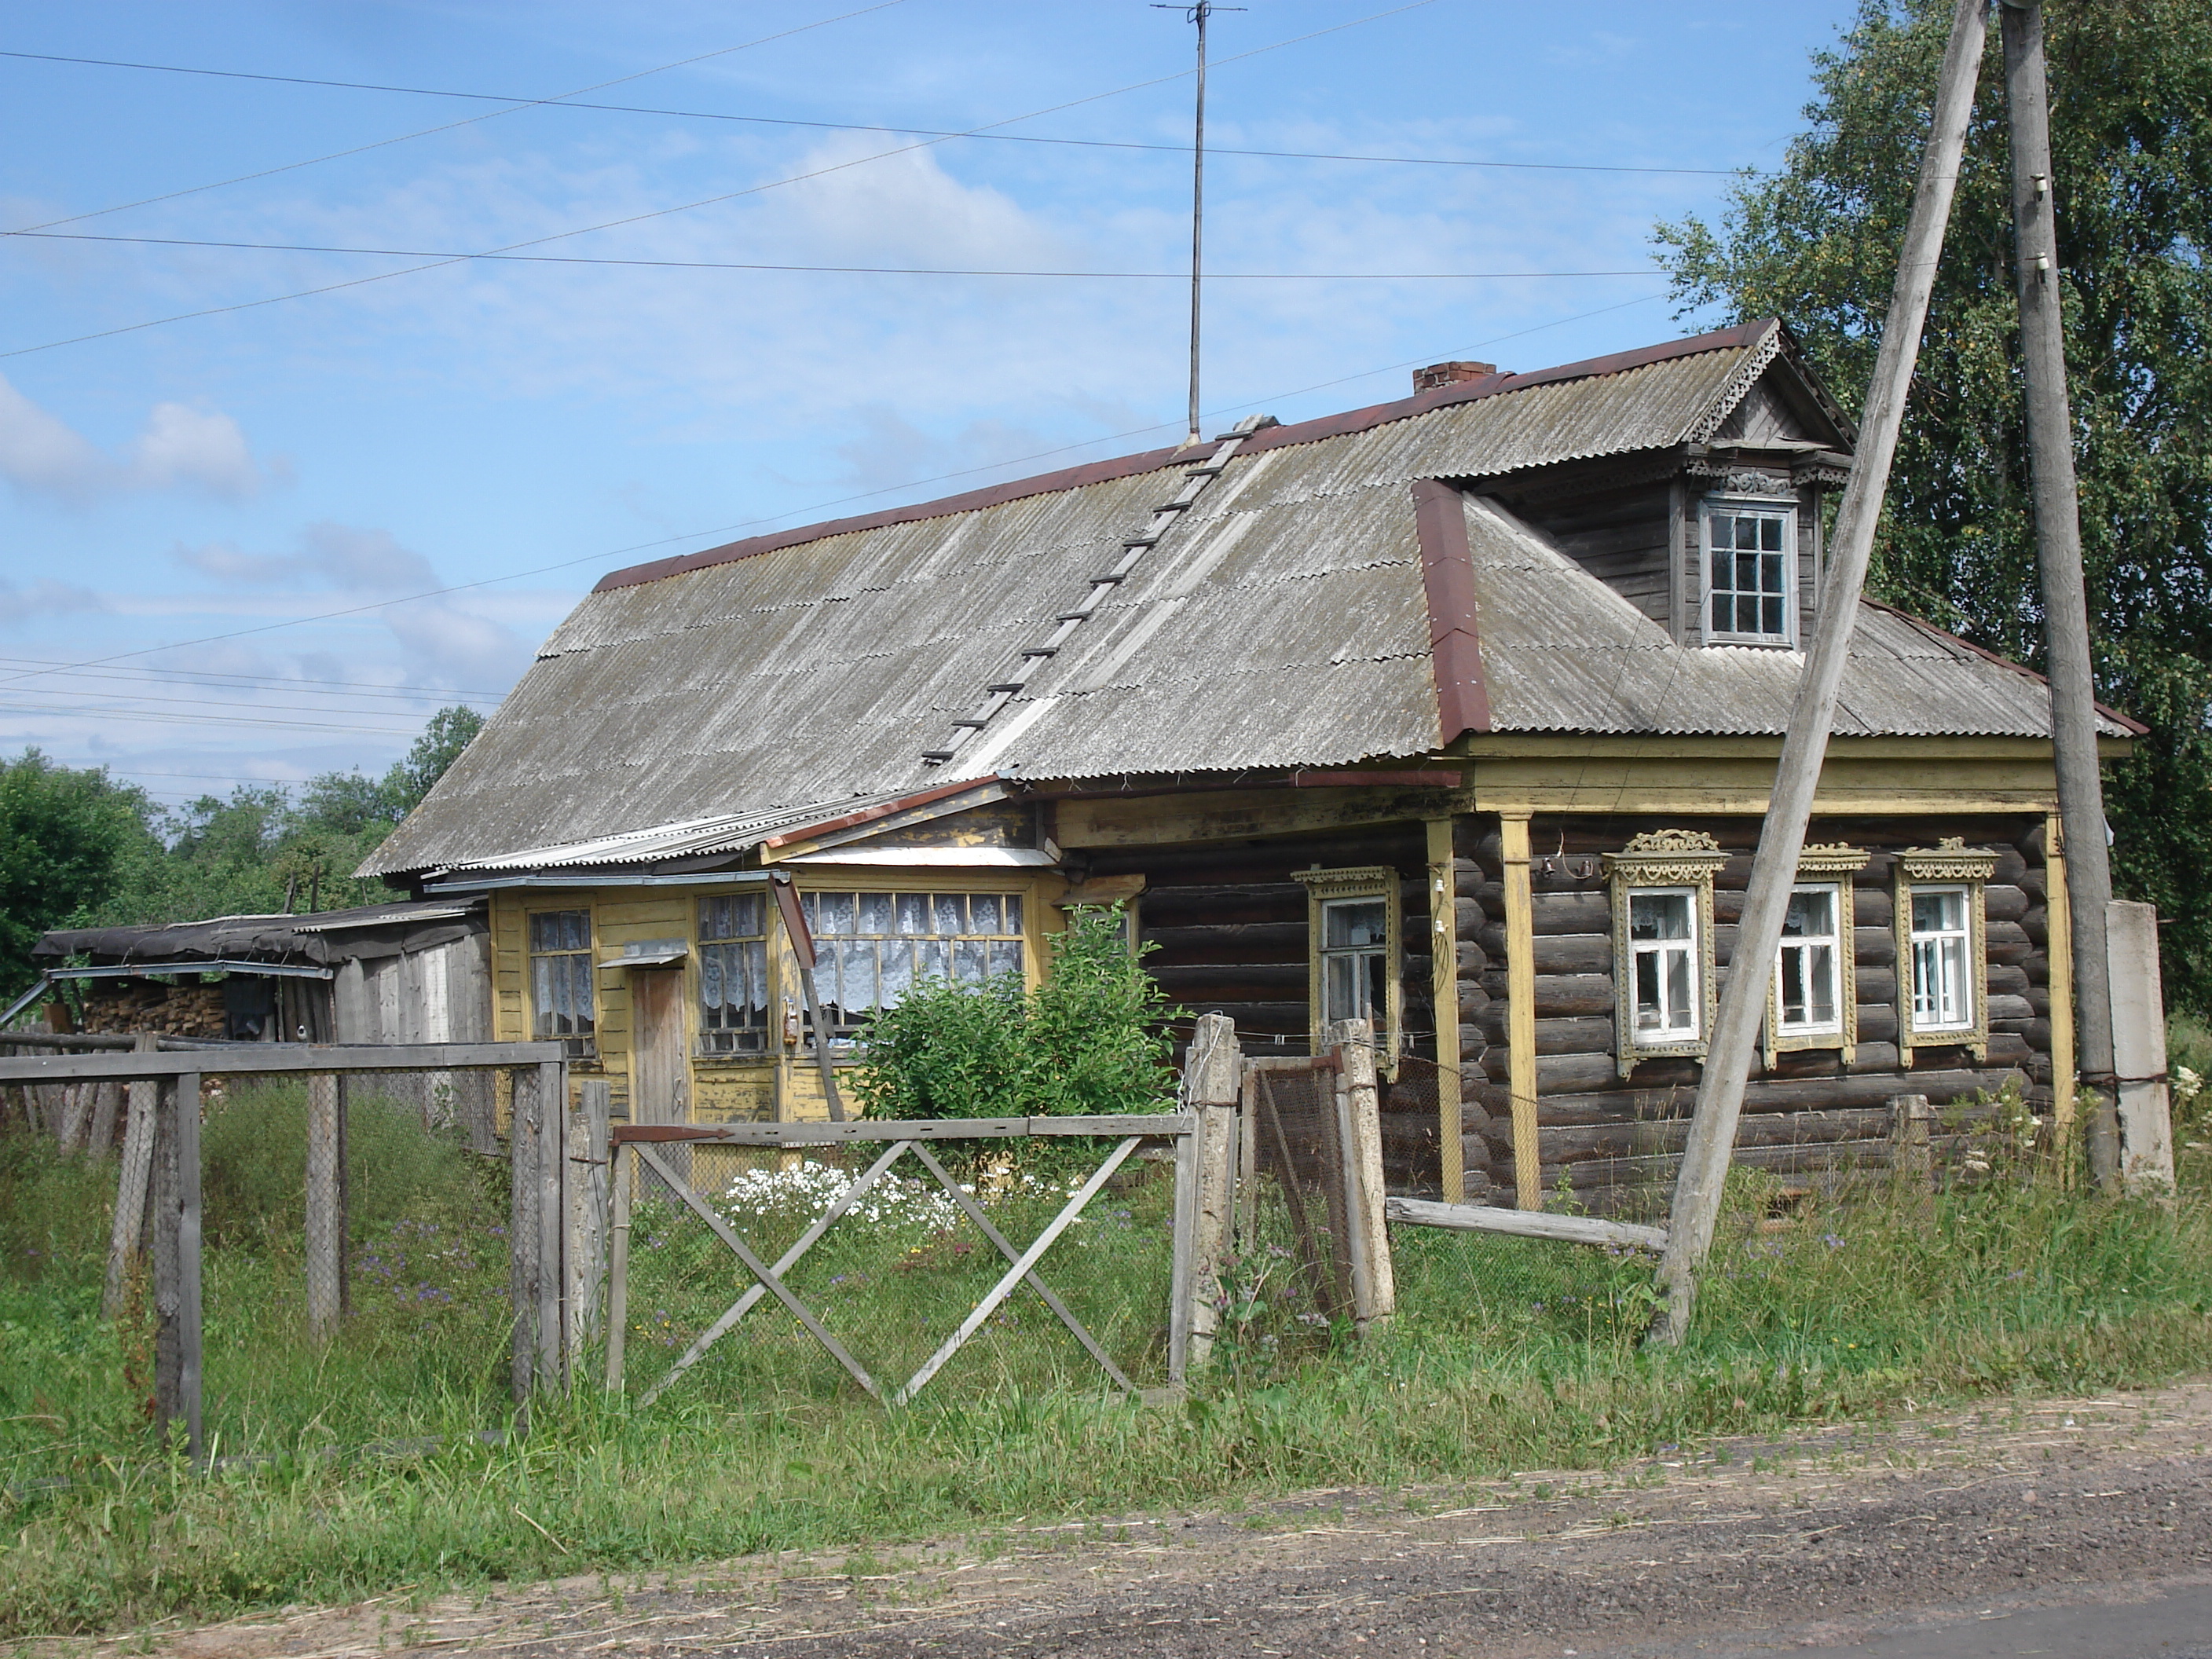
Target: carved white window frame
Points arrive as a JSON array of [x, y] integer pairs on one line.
[[1833, 865], [1662, 859], [1950, 863], [1366, 882]]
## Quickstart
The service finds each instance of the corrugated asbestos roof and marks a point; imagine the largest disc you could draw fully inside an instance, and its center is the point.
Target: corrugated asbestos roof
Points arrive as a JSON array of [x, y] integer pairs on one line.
[[1281, 623], [1563, 652]]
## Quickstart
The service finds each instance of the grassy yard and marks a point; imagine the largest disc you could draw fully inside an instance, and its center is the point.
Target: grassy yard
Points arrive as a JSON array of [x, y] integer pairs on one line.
[[1506, 1354]]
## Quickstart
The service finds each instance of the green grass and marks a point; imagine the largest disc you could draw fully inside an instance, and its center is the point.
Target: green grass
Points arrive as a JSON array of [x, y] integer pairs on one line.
[[1506, 1354]]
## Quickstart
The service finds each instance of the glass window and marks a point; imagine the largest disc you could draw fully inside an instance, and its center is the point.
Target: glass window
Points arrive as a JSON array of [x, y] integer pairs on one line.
[[734, 975], [561, 973], [1942, 990], [1355, 960], [871, 949], [1809, 985], [1748, 591], [1662, 943]]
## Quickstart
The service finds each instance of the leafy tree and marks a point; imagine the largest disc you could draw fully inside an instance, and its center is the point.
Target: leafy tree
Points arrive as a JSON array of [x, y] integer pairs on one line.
[[1816, 243], [450, 731], [66, 838]]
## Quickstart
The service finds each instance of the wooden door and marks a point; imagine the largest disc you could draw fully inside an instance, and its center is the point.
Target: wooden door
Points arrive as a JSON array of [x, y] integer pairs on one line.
[[659, 1081]]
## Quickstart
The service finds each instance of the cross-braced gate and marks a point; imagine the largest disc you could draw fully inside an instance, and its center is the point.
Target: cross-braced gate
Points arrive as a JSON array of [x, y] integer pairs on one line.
[[1132, 1276]]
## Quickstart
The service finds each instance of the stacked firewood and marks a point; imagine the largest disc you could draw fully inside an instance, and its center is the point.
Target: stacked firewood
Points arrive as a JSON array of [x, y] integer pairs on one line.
[[144, 1004]]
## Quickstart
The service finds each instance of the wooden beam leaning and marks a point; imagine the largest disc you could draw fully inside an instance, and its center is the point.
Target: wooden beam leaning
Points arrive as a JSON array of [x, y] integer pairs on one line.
[[177, 1340], [1521, 1010], [1523, 1223], [1444, 997], [1782, 833]]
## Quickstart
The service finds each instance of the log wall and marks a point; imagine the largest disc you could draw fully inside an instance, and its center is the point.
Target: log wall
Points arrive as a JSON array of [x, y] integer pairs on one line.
[[1615, 1141]]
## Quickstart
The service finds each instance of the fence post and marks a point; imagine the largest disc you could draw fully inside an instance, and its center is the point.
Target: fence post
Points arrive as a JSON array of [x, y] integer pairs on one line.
[[587, 1214], [1213, 1071], [619, 1181], [1374, 1285], [129, 1225], [1181, 1280], [552, 1225], [2139, 1049], [1912, 1161], [76, 1110], [177, 1259], [327, 1220], [104, 1105], [522, 1253]]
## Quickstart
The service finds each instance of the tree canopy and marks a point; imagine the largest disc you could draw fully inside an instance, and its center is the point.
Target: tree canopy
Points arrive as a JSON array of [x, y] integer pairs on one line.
[[78, 848], [1816, 242]]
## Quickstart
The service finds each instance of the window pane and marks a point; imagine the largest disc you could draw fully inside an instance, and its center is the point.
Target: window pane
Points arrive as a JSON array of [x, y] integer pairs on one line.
[[896, 976], [1375, 988], [912, 913], [1746, 573], [1013, 913], [1006, 957], [1940, 911], [1723, 613], [1770, 535], [1812, 913], [1338, 987], [1746, 533], [872, 914], [1820, 989], [968, 962], [951, 916], [1722, 539], [1793, 987], [836, 915], [933, 958], [1746, 614], [983, 913], [1678, 990], [1647, 991], [1769, 573], [1351, 924], [1659, 916], [1770, 621], [711, 992], [859, 982]]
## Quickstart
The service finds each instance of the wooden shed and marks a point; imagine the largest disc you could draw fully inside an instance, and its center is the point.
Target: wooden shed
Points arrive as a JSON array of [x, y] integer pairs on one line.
[[1458, 713]]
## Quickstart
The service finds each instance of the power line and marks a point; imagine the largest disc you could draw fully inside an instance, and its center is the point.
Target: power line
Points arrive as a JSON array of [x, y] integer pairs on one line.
[[855, 270], [686, 207], [118, 699], [602, 556], [335, 155], [198, 719], [573, 102], [215, 681]]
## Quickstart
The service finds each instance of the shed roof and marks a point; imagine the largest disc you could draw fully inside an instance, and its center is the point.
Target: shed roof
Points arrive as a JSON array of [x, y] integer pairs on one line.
[[1282, 622], [320, 938]]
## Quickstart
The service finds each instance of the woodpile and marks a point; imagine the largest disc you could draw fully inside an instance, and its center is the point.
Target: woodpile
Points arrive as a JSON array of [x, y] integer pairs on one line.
[[130, 1006]]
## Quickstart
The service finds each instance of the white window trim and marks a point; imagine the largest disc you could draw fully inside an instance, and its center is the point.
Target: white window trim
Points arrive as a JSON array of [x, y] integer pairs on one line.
[[1691, 947], [1917, 936], [1832, 864], [1663, 860], [1369, 883], [1783, 506], [1950, 863], [1839, 941]]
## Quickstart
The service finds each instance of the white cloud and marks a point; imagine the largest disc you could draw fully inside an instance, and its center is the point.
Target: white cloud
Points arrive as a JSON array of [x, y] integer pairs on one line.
[[181, 447], [335, 555], [21, 604]]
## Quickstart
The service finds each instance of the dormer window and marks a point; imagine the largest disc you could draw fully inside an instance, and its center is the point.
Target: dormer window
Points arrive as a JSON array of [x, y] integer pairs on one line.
[[1751, 565]]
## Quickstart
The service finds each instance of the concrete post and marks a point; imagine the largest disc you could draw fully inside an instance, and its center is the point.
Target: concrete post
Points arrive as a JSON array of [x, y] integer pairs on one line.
[[2139, 1050], [1213, 1071]]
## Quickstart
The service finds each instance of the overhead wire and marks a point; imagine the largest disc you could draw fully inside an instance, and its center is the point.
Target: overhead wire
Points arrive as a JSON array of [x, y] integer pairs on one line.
[[687, 206], [573, 101], [215, 681], [602, 557], [449, 126], [858, 270]]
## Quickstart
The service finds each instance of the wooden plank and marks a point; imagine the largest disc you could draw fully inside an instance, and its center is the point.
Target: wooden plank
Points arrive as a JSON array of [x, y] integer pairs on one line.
[[325, 1224], [1521, 1010], [1142, 1124], [522, 1256], [1113, 821], [1374, 1284], [552, 1350], [285, 1057], [177, 1340], [1443, 996], [621, 1166], [1211, 1071], [129, 1223], [587, 1215], [1525, 1224], [1182, 1277]]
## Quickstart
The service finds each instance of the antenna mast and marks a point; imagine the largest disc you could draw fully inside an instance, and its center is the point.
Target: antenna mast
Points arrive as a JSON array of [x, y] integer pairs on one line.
[[1198, 14]]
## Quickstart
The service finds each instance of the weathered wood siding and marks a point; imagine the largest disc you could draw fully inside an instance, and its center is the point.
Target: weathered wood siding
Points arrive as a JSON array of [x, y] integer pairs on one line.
[[1619, 535], [1616, 1141]]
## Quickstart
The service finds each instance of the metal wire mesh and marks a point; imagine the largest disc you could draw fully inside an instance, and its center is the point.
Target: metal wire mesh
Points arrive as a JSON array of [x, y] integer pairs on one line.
[[895, 1276], [1293, 1258]]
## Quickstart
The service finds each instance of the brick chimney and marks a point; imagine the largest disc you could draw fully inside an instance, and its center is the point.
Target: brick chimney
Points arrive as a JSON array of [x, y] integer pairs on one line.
[[1443, 374]]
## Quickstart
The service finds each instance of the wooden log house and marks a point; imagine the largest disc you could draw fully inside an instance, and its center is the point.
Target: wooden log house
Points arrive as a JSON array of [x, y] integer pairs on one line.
[[1458, 713]]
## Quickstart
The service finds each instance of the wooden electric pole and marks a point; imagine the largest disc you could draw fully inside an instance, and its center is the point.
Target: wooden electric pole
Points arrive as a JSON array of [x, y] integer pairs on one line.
[[2058, 566], [1782, 837]]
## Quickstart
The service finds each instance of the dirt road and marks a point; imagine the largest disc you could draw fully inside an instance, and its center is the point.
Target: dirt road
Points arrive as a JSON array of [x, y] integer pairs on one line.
[[2069, 1527]]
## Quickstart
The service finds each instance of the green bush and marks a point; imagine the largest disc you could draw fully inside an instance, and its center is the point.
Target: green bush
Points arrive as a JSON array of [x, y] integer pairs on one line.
[[254, 1151], [1089, 1039]]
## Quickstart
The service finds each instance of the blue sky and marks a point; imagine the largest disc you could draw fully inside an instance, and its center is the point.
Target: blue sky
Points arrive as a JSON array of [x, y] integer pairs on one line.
[[182, 506]]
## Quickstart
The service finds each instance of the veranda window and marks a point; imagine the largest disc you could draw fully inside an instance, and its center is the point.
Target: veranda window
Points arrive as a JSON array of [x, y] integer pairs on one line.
[[1807, 988], [871, 949], [1355, 961], [734, 975], [561, 974], [1943, 977], [1662, 942]]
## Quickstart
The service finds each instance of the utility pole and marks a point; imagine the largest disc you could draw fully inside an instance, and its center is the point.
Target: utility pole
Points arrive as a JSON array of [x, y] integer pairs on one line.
[[1198, 14], [1782, 837], [2059, 565]]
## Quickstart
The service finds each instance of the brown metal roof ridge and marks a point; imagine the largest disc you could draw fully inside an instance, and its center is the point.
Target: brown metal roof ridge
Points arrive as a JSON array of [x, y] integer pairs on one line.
[[870, 814], [2135, 726], [1448, 583], [1151, 460]]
